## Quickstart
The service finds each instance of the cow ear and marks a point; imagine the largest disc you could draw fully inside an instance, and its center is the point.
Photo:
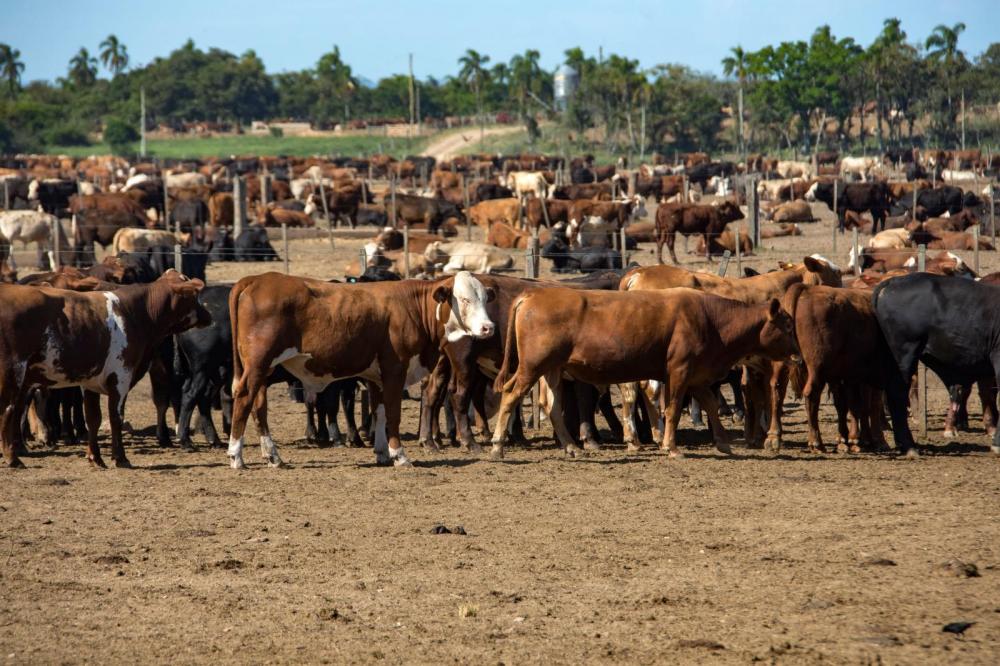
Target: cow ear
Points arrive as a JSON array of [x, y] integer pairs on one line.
[[491, 294], [812, 265], [442, 294], [773, 308]]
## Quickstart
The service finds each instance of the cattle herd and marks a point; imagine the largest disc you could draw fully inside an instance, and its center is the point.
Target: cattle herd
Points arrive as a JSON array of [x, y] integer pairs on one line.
[[475, 342]]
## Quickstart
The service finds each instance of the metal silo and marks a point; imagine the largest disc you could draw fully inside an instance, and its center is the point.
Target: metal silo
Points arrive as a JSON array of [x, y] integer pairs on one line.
[[564, 85]]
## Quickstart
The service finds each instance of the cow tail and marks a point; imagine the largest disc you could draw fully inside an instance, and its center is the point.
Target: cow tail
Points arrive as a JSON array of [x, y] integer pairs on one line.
[[509, 364], [234, 303], [115, 243], [797, 373]]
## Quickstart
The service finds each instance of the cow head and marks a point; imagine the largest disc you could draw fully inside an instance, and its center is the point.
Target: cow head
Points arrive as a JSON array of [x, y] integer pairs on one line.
[[820, 270], [467, 298], [777, 337], [180, 304]]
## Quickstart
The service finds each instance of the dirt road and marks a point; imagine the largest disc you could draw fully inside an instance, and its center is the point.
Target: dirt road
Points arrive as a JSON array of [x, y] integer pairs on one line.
[[453, 143]]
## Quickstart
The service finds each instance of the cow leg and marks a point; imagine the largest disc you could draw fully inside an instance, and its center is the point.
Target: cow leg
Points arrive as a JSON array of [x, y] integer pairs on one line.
[[205, 421], [695, 410], [811, 395], [674, 390], [711, 405], [9, 418], [995, 447], [608, 412], [268, 449], [331, 406], [628, 392], [389, 412], [778, 388], [92, 412], [462, 396], [899, 376], [510, 398], [245, 390], [756, 399], [160, 381], [431, 399], [988, 398], [195, 389], [739, 408], [115, 418], [844, 429], [586, 405], [671, 238], [79, 426], [554, 390], [347, 401]]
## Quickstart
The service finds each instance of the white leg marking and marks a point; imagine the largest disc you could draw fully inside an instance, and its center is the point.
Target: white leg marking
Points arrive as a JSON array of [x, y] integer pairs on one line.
[[381, 440], [269, 451], [236, 453]]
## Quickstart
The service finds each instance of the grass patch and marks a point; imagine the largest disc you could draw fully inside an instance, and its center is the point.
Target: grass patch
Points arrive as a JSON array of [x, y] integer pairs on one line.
[[224, 146]]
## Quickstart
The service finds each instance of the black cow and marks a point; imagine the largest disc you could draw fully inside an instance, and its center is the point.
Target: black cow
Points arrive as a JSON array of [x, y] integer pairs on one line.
[[585, 259], [938, 201], [372, 214], [253, 245], [488, 191], [951, 324], [53, 195], [188, 214], [857, 197]]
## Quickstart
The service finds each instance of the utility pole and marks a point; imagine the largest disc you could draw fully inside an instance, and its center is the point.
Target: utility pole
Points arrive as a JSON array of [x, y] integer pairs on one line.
[[739, 104], [963, 118], [142, 127], [412, 100]]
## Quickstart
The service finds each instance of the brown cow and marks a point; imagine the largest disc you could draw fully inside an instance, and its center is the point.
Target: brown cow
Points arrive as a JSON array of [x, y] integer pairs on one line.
[[841, 345], [726, 242], [220, 209], [690, 220], [319, 332], [557, 210], [507, 237], [41, 330], [780, 231], [274, 215], [485, 213], [684, 338]]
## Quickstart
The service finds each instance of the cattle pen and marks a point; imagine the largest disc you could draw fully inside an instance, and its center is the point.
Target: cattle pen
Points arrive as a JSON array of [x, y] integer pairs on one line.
[[786, 557]]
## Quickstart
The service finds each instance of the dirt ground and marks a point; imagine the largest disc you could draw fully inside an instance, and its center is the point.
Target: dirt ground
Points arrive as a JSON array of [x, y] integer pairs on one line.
[[615, 557]]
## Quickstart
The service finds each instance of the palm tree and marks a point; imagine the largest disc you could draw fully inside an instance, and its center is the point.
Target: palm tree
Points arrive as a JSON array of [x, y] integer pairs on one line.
[[882, 58], [942, 48], [474, 75], [83, 69], [524, 71], [114, 55], [738, 64], [11, 66]]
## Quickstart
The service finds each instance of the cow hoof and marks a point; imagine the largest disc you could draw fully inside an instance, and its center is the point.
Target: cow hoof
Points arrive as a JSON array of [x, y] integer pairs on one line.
[[818, 449], [496, 453], [590, 445], [632, 447], [123, 463], [995, 450], [724, 448], [402, 462], [949, 433], [772, 444], [383, 460], [431, 446], [98, 463], [737, 417], [854, 448], [274, 461], [842, 447], [912, 453], [474, 449], [676, 454], [236, 462], [15, 464], [574, 451]]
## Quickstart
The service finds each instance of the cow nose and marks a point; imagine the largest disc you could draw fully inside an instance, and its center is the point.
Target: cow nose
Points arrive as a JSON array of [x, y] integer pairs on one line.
[[486, 330]]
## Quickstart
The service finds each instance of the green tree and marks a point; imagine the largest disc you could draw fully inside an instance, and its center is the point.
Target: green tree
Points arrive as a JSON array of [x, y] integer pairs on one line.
[[336, 86], [473, 73], [82, 69], [11, 67], [942, 50], [120, 135], [737, 64], [114, 55]]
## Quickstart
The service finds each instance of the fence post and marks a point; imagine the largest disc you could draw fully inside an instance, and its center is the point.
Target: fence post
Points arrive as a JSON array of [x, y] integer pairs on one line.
[[535, 258], [6, 194], [178, 264], [836, 218], [724, 264], [56, 239], [857, 251], [739, 251], [265, 189], [975, 250], [465, 200], [406, 249], [166, 204], [364, 260], [624, 246], [922, 373], [993, 213], [284, 245], [392, 198], [685, 188], [913, 210], [239, 206]]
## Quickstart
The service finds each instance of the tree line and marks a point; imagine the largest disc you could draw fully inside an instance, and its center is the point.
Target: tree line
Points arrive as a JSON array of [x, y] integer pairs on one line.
[[805, 94]]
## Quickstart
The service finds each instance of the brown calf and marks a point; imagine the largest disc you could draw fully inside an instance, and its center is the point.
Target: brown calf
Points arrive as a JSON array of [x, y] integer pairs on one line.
[[691, 220]]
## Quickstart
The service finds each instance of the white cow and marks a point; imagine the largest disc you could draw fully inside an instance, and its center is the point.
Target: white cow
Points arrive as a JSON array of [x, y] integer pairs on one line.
[[528, 182], [890, 239], [132, 239], [951, 175], [793, 169], [32, 226], [184, 179], [467, 256], [135, 180], [860, 166]]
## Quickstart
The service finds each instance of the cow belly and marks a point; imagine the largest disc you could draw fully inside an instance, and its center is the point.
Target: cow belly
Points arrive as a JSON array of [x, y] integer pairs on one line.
[[295, 361]]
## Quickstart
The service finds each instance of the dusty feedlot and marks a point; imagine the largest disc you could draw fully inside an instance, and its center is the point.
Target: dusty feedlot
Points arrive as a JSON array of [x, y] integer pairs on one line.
[[614, 557]]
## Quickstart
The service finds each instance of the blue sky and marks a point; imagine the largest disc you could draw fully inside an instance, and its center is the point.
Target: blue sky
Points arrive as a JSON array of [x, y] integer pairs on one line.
[[375, 36]]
